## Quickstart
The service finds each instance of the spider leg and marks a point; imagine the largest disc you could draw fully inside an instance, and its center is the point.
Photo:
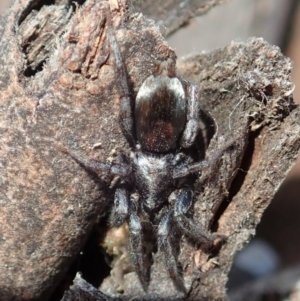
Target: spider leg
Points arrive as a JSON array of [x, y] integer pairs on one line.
[[166, 243], [121, 169], [136, 247], [188, 226], [193, 118], [184, 170], [121, 209], [125, 114]]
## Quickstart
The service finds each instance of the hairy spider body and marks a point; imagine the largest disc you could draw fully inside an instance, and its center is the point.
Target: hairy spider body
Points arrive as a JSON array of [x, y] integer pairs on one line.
[[160, 113], [159, 125], [153, 181]]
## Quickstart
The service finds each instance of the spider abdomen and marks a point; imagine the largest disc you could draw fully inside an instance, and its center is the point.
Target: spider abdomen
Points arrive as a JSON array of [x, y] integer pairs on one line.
[[160, 113]]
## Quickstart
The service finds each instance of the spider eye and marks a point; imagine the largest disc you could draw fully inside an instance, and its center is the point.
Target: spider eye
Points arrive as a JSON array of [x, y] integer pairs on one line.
[[160, 113]]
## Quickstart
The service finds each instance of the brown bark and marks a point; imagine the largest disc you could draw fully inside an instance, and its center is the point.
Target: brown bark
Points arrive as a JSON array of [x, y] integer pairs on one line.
[[57, 86]]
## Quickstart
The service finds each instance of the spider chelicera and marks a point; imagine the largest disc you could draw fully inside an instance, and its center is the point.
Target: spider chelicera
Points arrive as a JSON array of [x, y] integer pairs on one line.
[[160, 125]]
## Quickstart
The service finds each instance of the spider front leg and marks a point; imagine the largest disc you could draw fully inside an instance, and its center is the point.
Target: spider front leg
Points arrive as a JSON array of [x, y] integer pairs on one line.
[[168, 240], [125, 210], [137, 250], [187, 225], [166, 243]]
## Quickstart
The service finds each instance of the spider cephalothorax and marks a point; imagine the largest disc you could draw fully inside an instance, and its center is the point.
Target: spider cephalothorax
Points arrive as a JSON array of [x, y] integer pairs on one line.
[[160, 125]]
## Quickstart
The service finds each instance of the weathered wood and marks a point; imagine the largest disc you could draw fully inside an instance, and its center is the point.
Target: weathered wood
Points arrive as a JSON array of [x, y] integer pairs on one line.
[[57, 86], [246, 81], [65, 93]]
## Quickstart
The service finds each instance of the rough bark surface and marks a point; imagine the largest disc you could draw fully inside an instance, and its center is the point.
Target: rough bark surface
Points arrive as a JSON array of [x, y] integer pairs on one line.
[[245, 81], [57, 86], [171, 15]]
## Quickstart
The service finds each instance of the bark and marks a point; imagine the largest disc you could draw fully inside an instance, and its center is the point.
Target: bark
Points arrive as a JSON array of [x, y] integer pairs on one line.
[[171, 15], [57, 86]]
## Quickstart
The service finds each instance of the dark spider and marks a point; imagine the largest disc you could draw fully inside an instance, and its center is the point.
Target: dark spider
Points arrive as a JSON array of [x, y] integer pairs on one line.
[[163, 124]]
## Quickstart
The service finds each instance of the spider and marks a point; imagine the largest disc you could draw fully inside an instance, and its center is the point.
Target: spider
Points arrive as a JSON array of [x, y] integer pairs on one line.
[[159, 125]]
